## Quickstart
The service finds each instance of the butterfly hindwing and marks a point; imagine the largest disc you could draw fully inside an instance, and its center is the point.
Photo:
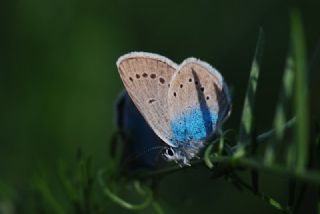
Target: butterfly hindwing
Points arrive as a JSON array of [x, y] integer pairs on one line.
[[146, 78], [198, 101]]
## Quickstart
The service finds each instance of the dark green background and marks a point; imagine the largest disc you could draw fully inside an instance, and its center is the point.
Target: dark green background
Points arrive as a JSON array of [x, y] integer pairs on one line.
[[59, 81]]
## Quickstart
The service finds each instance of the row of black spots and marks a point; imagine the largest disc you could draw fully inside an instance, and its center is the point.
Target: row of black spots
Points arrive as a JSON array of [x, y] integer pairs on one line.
[[200, 86], [175, 94], [152, 76], [181, 86], [190, 80], [196, 82]]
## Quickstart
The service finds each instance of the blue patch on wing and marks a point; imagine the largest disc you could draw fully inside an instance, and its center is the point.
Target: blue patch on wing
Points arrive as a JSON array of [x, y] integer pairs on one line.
[[194, 125]]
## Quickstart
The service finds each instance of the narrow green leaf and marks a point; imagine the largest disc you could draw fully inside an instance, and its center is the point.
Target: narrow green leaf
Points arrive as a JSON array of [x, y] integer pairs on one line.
[[301, 92], [281, 117], [246, 125], [275, 204]]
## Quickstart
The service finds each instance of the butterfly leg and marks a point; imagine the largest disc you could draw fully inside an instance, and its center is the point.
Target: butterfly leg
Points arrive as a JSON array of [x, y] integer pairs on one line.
[[186, 161]]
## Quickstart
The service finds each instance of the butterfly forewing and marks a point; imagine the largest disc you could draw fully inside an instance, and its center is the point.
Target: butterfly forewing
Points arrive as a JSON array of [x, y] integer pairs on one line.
[[198, 101], [147, 79]]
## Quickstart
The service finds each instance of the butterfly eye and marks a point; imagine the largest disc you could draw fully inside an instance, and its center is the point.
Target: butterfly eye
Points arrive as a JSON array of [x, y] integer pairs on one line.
[[169, 152]]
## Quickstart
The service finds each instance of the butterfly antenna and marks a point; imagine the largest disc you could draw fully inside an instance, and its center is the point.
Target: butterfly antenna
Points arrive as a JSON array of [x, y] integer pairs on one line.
[[137, 156]]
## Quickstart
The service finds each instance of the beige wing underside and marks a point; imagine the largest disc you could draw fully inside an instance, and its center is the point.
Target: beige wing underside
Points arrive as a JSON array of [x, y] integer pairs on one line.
[[197, 85], [146, 78]]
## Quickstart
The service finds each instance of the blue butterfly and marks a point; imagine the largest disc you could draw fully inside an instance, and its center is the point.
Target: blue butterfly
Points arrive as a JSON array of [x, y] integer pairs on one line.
[[183, 104]]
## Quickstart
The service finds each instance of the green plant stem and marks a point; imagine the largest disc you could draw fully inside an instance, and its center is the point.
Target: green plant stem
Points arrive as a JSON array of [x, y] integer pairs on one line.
[[122, 202], [157, 208], [268, 134], [272, 202], [210, 160], [312, 177], [301, 92], [308, 176], [206, 158]]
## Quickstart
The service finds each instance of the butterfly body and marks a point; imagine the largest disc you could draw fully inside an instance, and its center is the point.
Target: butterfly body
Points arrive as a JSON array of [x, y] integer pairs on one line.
[[184, 104]]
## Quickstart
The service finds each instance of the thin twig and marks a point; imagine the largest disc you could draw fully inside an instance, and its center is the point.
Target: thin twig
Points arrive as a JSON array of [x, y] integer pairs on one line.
[[312, 177], [268, 134]]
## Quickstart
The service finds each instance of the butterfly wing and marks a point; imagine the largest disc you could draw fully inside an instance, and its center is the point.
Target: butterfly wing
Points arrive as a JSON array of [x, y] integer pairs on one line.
[[198, 101], [137, 136], [146, 78]]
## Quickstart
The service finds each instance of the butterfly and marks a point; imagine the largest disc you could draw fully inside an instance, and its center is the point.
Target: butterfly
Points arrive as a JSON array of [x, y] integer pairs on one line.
[[183, 104]]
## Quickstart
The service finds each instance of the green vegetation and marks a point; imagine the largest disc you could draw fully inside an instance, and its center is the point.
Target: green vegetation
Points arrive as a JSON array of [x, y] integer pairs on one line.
[[59, 84]]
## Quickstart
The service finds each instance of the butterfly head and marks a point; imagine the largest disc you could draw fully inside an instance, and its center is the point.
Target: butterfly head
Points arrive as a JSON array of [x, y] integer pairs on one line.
[[184, 152]]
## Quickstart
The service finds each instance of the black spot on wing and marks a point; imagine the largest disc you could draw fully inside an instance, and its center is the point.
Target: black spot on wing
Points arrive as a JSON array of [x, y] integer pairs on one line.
[[151, 101], [162, 81]]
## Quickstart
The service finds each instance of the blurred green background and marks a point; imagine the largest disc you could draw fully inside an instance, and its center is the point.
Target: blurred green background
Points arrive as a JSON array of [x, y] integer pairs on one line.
[[59, 81]]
